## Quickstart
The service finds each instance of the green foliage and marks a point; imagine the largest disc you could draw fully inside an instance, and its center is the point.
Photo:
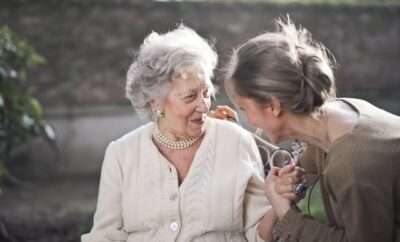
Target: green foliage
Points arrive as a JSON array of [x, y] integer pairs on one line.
[[313, 205], [21, 115]]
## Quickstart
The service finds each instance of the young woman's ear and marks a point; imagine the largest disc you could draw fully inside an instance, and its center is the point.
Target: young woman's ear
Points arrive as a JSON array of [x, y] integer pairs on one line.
[[276, 107]]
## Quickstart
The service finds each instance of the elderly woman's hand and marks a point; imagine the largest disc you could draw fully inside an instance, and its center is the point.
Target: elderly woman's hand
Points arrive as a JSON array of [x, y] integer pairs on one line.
[[279, 203], [290, 182], [224, 112]]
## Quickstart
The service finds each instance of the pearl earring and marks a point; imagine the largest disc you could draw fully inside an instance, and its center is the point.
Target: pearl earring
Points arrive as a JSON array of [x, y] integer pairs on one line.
[[159, 114]]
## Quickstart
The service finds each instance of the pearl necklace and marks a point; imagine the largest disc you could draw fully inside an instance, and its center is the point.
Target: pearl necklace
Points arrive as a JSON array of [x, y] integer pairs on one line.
[[171, 144]]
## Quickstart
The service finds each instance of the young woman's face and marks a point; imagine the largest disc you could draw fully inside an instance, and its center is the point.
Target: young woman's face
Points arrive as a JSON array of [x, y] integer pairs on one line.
[[187, 104], [262, 116]]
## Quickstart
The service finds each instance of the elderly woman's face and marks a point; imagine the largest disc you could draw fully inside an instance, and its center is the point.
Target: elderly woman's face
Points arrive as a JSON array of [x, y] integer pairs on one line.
[[187, 104]]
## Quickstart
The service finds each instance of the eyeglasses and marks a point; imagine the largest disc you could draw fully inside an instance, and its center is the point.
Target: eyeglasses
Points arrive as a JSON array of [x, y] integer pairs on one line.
[[280, 157], [276, 156]]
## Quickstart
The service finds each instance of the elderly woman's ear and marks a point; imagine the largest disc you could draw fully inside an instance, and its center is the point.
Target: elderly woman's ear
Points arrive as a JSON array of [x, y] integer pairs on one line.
[[156, 109], [155, 105]]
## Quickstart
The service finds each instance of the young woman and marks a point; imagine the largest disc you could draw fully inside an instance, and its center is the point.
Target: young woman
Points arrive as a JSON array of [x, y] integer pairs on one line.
[[284, 82]]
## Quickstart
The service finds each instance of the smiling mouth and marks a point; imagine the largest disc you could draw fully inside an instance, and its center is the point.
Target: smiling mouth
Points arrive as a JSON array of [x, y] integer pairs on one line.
[[198, 120]]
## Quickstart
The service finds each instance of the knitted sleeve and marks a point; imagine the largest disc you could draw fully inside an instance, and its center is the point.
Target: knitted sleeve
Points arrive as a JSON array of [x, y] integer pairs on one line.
[[255, 203], [107, 221]]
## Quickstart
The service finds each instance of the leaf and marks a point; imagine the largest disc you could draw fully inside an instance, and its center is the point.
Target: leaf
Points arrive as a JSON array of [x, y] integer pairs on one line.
[[3, 73], [49, 131], [3, 170], [27, 122], [21, 115], [50, 137], [36, 108]]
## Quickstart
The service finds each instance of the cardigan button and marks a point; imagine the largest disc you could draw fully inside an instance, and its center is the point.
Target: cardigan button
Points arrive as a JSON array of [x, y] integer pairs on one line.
[[173, 226], [172, 197]]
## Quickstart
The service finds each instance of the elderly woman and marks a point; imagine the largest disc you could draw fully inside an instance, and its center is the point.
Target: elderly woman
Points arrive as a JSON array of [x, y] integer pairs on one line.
[[284, 82], [183, 176]]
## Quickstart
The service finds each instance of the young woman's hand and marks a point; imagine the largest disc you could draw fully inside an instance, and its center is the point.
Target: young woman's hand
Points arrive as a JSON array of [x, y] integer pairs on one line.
[[224, 112], [281, 187], [290, 182]]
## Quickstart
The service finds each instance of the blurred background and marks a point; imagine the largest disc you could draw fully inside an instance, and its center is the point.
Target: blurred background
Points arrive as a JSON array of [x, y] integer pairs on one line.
[[63, 66]]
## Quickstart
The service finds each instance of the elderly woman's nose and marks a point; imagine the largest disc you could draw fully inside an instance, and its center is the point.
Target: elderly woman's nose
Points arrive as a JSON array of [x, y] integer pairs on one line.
[[203, 105]]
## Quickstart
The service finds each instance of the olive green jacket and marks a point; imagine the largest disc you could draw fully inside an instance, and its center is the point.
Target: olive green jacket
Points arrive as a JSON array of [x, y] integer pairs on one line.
[[360, 184]]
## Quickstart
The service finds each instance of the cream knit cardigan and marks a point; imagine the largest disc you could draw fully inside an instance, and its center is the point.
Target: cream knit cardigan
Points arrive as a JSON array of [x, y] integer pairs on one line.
[[221, 198]]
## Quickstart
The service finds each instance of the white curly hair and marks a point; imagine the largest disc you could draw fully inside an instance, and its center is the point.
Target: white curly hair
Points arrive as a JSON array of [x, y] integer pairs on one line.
[[161, 56]]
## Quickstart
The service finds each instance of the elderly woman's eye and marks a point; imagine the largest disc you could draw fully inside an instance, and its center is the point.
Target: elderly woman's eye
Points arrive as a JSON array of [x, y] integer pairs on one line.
[[206, 93], [191, 96]]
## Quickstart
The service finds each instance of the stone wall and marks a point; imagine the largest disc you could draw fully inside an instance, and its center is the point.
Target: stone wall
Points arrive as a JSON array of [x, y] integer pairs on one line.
[[89, 44]]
